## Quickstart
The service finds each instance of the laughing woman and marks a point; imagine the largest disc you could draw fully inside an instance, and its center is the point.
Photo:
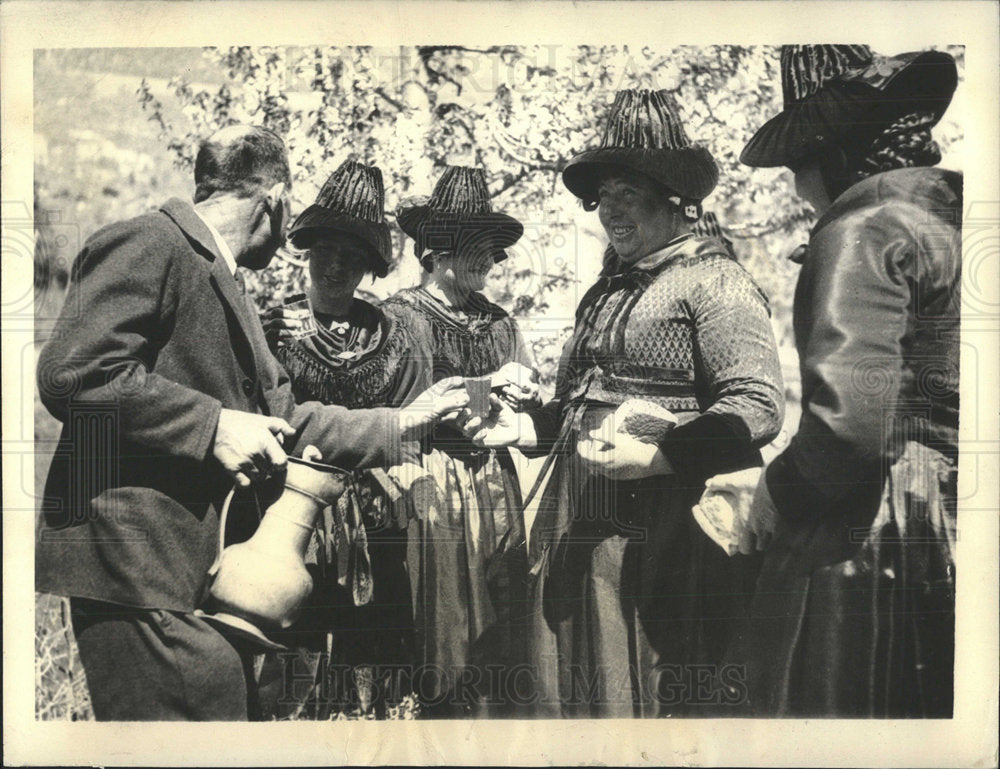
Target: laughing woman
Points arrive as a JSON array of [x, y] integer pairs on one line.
[[671, 375], [467, 556]]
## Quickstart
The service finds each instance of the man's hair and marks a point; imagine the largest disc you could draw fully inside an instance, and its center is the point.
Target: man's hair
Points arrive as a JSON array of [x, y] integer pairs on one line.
[[240, 159]]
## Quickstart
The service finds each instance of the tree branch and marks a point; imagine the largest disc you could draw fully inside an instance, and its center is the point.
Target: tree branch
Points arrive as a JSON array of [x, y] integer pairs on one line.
[[746, 231], [510, 182], [380, 91], [436, 75]]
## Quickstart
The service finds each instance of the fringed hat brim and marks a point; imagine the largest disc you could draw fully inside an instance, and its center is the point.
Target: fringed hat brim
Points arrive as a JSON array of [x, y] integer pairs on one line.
[[316, 220], [854, 106], [438, 231], [691, 171]]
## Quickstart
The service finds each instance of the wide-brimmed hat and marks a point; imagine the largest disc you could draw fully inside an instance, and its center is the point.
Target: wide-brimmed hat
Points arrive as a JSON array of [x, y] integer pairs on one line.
[[834, 91], [352, 201], [459, 217], [644, 133]]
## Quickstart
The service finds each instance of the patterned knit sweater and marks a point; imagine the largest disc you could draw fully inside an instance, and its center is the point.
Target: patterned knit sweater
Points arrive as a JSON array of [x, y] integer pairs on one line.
[[686, 328]]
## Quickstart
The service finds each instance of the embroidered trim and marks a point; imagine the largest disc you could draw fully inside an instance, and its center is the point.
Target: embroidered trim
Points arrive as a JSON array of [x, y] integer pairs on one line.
[[474, 342], [351, 383]]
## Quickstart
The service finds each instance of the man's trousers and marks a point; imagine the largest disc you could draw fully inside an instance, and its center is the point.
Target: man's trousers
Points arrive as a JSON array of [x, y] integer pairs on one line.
[[154, 665]]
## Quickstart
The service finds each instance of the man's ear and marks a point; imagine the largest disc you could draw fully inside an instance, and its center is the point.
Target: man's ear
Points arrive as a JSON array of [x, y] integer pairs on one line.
[[274, 195]]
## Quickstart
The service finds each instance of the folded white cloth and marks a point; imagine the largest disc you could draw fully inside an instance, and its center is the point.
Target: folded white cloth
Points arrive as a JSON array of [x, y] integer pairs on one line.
[[719, 520], [725, 507], [643, 420]]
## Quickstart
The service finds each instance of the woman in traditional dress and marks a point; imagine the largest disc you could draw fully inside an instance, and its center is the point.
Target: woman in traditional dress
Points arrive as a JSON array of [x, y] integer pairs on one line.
[[854, 614], [670, 377], [340, 349], [467, 555]]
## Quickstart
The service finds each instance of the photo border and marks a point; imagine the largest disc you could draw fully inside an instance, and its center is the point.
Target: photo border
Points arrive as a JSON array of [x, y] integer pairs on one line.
[[969, 739]]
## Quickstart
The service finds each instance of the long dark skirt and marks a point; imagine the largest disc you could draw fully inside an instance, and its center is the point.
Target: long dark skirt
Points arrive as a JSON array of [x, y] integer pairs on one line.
[[864, 634], [633, 605], [467, 564]]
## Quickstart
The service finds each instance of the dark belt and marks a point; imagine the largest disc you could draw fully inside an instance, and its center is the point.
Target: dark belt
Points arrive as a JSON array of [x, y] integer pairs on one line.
[[635, 380]]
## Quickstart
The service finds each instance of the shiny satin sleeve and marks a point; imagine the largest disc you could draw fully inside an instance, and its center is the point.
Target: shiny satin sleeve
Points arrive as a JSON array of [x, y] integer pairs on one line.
[[736, 359], [852, 307]]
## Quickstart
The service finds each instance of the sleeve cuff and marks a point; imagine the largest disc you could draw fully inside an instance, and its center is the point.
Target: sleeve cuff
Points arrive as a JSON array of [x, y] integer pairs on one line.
[[796, 497], [708, 445], [210, 424], [546, 421], [786, 495]]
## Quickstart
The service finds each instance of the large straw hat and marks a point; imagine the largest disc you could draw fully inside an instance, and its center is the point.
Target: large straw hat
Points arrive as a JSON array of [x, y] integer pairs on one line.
[[835, 91], [352, 201], [459, 217], [644, 133]]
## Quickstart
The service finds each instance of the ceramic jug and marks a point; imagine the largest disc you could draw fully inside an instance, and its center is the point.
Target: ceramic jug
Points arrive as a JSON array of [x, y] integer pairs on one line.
[[260, 585]]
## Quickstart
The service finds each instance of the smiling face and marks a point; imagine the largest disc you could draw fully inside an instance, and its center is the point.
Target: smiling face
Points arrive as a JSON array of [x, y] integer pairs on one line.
[[636, 214], [337, 263]]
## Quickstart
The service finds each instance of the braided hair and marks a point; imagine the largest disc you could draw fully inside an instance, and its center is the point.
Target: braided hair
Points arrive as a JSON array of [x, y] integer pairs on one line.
[[906, 143]]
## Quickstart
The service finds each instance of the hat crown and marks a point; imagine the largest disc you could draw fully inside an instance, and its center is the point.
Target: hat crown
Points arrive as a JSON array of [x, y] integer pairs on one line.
[[645, 119], [356, 190], [461, 190], [805, 69]]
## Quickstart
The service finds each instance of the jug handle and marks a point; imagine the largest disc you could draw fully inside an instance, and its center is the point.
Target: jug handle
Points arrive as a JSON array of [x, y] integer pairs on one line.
[[224, 518]]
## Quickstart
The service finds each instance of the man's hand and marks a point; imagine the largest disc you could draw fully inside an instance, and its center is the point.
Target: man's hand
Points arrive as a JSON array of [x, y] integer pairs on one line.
[[442, 399], [248, 446], [502, 427], [624, 459]]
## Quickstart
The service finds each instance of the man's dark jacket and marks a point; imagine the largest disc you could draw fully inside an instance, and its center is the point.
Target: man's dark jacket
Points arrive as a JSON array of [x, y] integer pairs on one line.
[[154, 339]]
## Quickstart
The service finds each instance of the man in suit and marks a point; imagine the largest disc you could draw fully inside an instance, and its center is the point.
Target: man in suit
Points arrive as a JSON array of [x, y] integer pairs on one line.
[[159, 370]]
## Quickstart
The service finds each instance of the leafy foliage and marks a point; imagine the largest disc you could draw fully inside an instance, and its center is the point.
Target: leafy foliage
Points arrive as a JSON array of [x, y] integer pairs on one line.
[[61, 692]]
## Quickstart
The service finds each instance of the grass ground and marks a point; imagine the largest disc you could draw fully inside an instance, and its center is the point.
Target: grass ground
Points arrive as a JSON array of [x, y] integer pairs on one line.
[[60, 685]]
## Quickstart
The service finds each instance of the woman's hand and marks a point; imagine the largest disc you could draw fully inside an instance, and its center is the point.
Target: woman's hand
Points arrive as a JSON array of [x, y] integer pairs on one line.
[[519, 386], [442, 400], [283, 324], [624, 459], [501, 427]]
